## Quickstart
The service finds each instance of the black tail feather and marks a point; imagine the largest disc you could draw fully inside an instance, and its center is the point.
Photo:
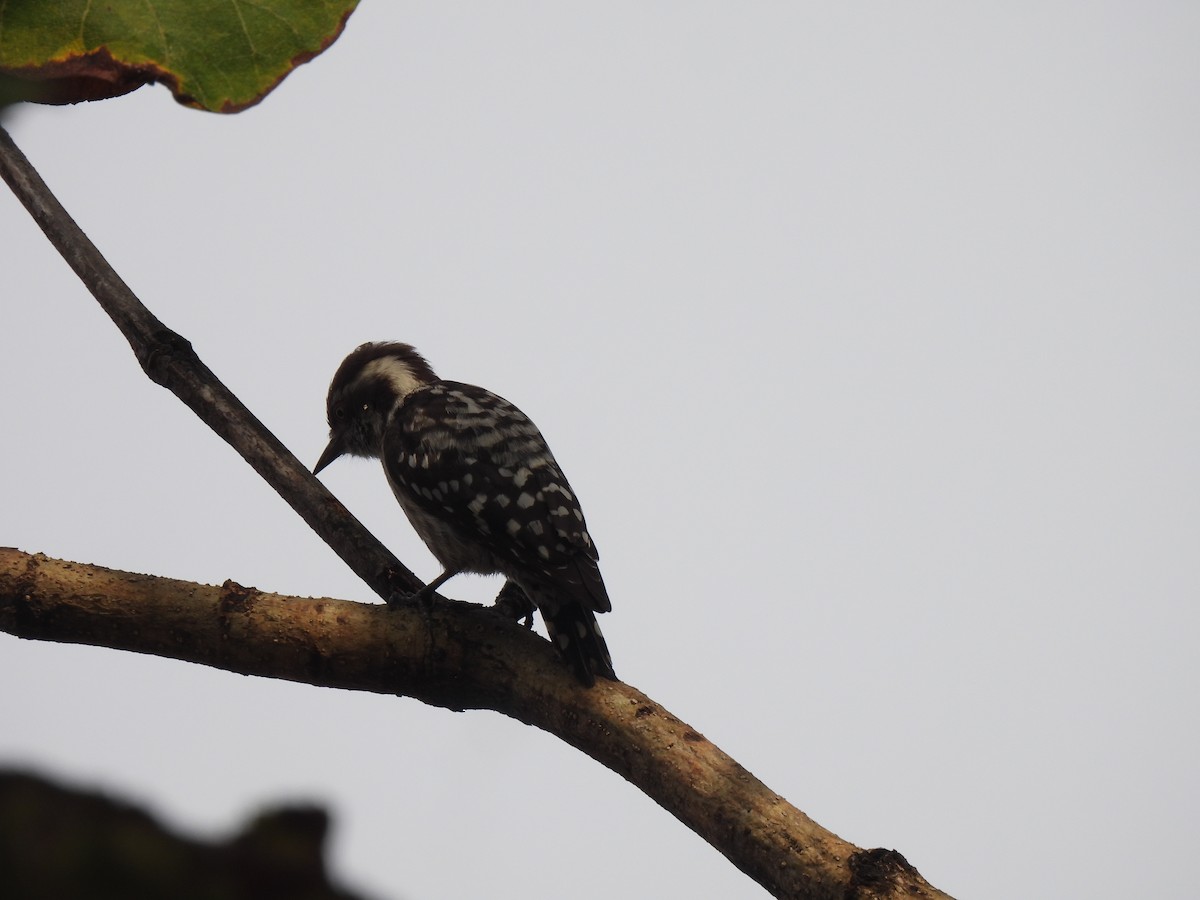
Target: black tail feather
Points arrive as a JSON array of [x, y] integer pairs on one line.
[[577, 637]]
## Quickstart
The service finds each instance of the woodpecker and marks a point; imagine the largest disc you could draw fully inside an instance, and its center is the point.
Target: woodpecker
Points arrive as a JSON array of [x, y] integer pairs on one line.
[[480, 486]]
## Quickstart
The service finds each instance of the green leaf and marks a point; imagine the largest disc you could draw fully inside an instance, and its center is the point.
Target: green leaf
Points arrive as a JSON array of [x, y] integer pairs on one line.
[[219, 55]]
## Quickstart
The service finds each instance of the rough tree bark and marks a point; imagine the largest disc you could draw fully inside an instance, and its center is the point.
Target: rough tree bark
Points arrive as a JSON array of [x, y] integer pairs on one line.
[[458, 656]]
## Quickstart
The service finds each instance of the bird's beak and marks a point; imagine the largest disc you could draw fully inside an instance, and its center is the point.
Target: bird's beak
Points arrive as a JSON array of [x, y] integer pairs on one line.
[[335, 449]]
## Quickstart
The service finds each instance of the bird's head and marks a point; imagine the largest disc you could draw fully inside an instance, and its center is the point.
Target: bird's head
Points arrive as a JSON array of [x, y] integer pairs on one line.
[[370, 383]]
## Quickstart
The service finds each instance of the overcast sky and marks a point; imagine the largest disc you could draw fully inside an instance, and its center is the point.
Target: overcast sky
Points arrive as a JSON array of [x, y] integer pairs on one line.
[[866, 332]]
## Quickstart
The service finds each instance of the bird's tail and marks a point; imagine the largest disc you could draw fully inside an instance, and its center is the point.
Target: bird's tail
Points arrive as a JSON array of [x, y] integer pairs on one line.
[[576, 635]]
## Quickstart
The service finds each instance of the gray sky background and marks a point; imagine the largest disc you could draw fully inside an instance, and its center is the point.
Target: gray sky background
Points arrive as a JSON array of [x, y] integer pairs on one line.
[[867, 334]]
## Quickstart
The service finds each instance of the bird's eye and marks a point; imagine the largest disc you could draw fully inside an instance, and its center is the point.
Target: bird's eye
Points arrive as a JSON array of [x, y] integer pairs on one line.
[[339, 413]]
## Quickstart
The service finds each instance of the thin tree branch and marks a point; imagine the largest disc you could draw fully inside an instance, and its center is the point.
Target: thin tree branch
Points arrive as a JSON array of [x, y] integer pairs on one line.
[[457, 656], [169, 360]]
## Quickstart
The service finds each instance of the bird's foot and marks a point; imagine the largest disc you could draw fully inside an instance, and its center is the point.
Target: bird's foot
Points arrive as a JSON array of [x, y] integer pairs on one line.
[[402, 595], [513, 603]]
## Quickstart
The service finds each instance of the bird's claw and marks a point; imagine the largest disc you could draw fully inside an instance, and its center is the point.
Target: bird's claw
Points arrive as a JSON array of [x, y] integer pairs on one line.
[[515, 604]]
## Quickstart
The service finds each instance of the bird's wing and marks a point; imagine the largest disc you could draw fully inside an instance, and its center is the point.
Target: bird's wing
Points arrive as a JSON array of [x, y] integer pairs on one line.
[[470, 458]]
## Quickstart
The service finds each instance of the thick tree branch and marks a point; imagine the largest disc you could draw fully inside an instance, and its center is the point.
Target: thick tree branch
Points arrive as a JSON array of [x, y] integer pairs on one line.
[[459, 656]]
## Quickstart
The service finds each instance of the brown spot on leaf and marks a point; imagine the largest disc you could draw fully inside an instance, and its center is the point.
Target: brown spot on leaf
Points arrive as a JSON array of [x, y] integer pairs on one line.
[[95, 75]]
